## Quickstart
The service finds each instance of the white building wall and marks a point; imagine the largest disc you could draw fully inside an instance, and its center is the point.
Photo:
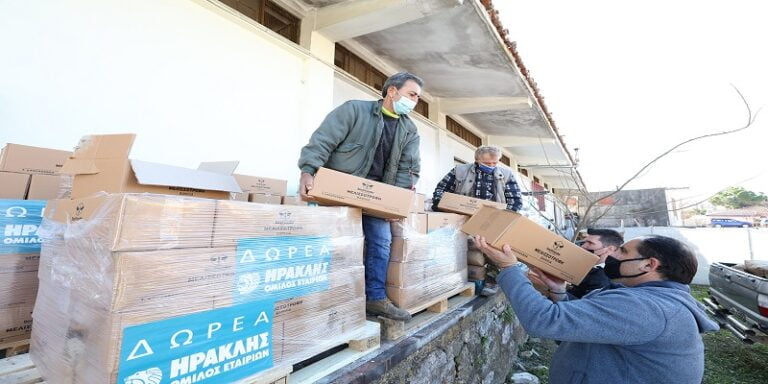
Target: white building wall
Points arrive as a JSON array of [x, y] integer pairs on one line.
[[194, 83]]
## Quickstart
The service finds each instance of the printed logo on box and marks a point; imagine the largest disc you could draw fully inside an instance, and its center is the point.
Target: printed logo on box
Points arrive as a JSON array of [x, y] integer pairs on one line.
[[217, 346], [20, 220], [281, 267]]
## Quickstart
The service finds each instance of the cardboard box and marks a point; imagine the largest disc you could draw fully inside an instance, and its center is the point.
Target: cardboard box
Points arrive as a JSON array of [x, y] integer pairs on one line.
[[475, 257], [262, 185], [124, 222], [44, 187], [418, 203], [533, 244], [13, 185], [18, 289], [418, 272], [476, 273], [376, 199], [239, 196], [237, 220], [301, 327], [101, 163], [436, 245], [415, 223], [465, 205], [294, 200], [32, 160], [264, 199], [414, 296], [437, 220], [15, 324], [14, 263], [303, 332], [199, 276]]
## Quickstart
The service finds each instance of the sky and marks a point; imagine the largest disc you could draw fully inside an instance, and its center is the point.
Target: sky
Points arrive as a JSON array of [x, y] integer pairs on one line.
[[627, 81]]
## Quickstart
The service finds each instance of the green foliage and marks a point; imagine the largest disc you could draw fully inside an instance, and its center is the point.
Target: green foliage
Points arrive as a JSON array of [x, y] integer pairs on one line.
[[738, 197]]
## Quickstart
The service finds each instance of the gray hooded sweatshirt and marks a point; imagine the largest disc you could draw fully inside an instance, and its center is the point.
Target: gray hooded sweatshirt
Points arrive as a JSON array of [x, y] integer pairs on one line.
[[649, 333]]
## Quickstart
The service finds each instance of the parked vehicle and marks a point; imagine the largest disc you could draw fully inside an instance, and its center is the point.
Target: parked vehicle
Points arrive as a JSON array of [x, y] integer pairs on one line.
[[738, 300], [725, 223]]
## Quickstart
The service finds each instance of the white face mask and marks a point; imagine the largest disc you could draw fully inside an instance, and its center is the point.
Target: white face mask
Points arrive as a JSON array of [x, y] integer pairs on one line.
[[404, 105]]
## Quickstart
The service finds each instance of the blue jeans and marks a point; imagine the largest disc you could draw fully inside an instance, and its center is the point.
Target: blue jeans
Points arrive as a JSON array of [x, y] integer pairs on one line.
[[378, 241]]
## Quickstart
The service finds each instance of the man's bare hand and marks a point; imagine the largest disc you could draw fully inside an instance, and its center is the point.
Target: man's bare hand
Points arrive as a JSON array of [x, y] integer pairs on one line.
[[502, 259], [305, 185], [541, 278]]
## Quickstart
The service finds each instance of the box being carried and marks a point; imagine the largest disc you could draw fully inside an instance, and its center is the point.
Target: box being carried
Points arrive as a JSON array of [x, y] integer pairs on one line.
[[101, 163], [532, 244], [465, 205], [376, 199]]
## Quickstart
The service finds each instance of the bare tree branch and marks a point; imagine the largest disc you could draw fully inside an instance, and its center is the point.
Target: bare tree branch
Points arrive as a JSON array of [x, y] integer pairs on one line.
[[751, 117]]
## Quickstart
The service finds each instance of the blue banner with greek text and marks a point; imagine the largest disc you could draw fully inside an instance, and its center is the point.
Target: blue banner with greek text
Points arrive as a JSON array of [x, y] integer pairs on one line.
[[19, 221], [217, 346], [281, 267]]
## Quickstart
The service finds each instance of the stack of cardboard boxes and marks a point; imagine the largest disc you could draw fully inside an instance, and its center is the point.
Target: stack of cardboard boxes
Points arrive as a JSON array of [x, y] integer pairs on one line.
[[476, 263], [31, 173], [428, 257], [151, 286]]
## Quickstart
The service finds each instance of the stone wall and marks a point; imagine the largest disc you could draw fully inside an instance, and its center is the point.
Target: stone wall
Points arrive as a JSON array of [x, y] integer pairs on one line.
[[480, 348]]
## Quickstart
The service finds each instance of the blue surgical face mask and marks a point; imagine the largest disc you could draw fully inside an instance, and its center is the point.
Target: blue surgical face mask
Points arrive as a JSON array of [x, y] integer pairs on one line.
[[404, 105], [486, 168]]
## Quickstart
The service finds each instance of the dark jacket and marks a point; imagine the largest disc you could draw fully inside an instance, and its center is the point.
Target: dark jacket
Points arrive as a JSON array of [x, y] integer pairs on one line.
[[595, 279]]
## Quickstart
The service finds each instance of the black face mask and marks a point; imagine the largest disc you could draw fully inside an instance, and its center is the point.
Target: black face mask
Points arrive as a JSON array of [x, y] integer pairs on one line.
[[613, 267]]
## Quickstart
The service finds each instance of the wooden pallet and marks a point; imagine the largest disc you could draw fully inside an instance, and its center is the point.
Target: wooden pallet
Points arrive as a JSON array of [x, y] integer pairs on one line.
[[20, 369], [13, 348], [440, 303], [424, 313], [364, 342]]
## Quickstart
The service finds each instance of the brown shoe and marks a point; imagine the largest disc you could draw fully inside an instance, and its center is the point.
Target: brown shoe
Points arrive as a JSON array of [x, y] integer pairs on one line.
[[385, 308]]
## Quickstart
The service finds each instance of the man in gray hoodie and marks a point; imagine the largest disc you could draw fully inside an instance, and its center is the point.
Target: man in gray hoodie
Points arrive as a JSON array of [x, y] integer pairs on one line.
[[644, 330]]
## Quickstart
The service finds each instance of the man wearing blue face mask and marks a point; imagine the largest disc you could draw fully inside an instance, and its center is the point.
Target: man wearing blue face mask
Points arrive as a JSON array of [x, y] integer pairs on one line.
[[483, 179], [378, 141]]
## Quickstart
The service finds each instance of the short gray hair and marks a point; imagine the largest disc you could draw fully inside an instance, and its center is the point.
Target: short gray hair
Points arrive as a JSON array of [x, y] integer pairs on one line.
[[488, 149], [398, 80]]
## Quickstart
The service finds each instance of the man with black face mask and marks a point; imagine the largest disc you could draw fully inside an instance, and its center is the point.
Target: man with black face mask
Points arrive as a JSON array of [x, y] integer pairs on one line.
[[644, 328], [603, 243]]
